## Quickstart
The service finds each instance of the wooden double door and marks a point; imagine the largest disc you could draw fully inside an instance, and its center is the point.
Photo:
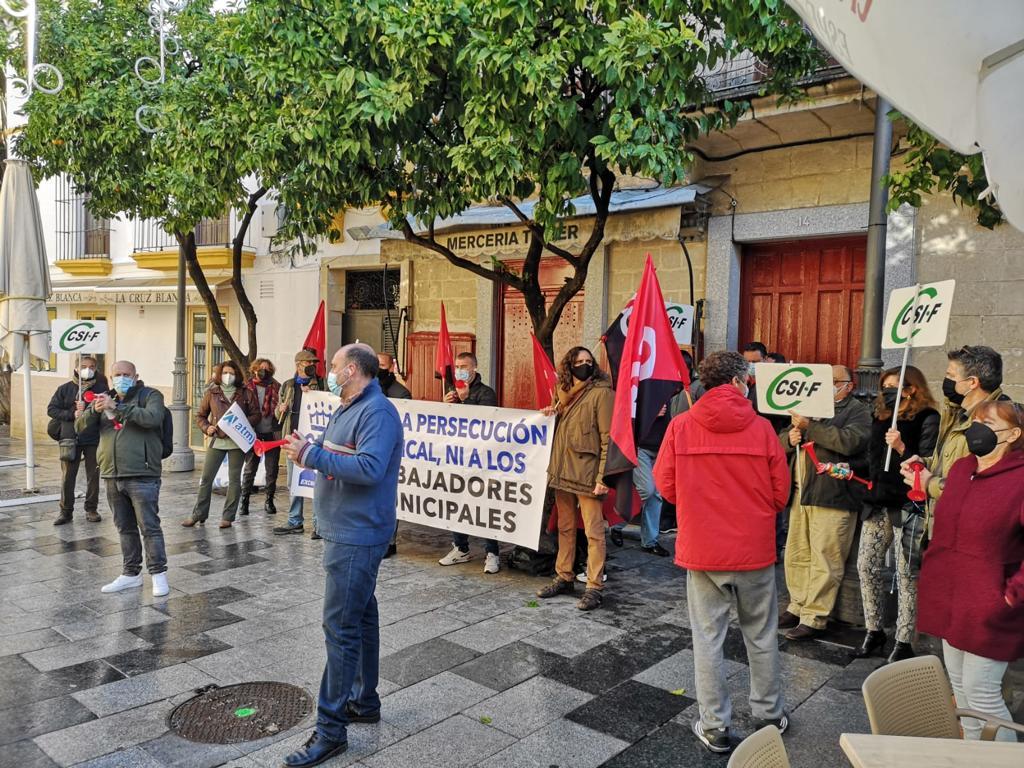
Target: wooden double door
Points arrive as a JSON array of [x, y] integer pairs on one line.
[[805, 298]]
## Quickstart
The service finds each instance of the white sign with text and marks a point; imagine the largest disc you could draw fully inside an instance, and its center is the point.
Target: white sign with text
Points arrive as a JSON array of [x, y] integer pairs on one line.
[[787, 388], [78, 336], [235, 424], [918, 316], [314, 413]]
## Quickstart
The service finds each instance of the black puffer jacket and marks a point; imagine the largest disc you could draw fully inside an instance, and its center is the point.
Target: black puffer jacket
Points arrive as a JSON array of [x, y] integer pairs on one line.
[[479, 393], [62, 408], [919, 435]]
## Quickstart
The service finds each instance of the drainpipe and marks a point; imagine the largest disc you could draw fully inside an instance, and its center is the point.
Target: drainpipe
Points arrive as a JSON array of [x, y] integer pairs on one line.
[[869, 367], [182, 459]]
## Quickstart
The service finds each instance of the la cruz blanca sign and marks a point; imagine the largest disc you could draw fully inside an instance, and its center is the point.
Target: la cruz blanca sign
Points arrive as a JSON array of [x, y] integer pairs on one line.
[[474, 469], [78, 336], [918, 316], [787, 388], [142, 296]]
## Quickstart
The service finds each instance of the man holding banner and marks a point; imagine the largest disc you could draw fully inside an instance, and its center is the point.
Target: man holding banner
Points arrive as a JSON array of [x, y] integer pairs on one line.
[[357, 459]]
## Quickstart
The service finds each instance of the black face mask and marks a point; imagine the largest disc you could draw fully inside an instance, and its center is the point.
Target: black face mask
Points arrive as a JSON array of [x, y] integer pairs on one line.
[[263, 375], [949, 390], [384, 376], [583, 371], [309, 371], [981, 439], [889, 396]]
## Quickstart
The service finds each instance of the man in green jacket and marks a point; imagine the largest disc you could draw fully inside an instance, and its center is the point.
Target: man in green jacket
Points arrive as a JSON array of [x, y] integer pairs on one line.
[[823, 515], [130, 423]]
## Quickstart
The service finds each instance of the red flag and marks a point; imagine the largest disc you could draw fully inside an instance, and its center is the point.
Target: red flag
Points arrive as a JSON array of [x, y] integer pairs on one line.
[[544, 375], [652, 371], [316, 340], [444, 360]]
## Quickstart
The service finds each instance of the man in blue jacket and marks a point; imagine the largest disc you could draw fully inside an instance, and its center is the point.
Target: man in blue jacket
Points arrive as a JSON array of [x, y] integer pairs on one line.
[[357, 458]]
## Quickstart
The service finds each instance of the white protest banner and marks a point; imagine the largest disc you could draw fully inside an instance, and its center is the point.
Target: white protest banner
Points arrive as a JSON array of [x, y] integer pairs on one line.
[[680, 317], [235, 424], [918, 316], [474, 469], [787, 388], [314, 413], [78, 336]]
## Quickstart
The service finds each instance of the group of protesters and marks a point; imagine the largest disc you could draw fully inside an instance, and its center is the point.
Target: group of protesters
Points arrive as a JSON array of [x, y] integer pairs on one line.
[[730, 473]]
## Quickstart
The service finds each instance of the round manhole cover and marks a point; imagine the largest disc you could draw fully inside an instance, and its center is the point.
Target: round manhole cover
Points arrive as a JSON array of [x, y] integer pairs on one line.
[[243, 712]]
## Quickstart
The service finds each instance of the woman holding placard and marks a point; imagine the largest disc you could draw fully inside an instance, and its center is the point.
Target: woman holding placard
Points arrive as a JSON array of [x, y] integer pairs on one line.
[[917, 428], [227, 387]]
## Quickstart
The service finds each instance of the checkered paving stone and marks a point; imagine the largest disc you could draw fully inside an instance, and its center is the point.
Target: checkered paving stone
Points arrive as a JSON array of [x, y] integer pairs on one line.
[[475, 671]]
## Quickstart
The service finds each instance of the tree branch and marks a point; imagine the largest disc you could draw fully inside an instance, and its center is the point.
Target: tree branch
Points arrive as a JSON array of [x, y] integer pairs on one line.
[[431, 244], [248, 311]]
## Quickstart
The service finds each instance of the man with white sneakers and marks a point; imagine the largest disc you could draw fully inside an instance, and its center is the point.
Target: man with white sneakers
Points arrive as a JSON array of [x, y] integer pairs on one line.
[[130, 419]]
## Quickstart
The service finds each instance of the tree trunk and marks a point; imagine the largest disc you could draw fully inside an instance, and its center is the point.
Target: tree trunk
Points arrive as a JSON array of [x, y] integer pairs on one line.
[[248, 312]]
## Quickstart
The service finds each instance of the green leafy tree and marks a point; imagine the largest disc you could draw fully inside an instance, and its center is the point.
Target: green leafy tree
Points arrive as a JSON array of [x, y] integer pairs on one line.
[[180, 174], [929, 165], [427, 106]]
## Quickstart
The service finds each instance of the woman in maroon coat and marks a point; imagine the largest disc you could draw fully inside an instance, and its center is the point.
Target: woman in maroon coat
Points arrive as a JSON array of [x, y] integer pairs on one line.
[[971, 591]]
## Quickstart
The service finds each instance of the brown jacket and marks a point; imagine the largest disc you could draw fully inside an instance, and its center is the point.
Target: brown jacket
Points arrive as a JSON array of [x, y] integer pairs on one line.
[[580, 445], [215, 404]]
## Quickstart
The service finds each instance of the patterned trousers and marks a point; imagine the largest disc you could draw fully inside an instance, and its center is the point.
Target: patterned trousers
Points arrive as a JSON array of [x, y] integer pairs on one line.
[[876, 538]]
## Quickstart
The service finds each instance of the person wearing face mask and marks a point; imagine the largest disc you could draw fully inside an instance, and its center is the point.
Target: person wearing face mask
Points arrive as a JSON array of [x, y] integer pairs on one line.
[[63, 410], [389, 383], [226, 388], [267, 391], [583, 403], [971, 588], [723, 466], [822, 517], [471, 390], [130, 421], [917, 428], [974, 375], [304, 380], [358, 457]]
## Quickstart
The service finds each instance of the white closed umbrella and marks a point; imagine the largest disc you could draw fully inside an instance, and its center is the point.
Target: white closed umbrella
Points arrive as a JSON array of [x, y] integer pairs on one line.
[[955, 68], [24, 287]]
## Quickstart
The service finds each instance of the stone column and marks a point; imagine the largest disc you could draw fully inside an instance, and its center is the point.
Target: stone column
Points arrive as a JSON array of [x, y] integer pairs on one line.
[[182, 459]]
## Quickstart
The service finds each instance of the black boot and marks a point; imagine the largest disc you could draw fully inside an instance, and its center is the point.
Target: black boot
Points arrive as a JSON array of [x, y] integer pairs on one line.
[[243, 505], [268, 505], [874, 642], [901, 651]]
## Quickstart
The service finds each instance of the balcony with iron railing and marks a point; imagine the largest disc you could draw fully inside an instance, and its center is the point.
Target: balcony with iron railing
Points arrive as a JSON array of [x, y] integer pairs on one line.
[[155, 248], [82, 239]]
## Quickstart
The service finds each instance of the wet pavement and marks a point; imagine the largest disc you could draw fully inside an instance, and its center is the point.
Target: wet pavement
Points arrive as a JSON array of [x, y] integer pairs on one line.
[[475, 671]]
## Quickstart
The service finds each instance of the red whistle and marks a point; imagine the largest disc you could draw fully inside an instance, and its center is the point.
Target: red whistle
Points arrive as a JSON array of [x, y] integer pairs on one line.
[[917, 492], [89, 396]]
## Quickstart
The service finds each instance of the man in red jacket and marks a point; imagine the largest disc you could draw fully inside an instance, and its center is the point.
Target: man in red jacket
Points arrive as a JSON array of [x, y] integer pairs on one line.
[[723, 467]]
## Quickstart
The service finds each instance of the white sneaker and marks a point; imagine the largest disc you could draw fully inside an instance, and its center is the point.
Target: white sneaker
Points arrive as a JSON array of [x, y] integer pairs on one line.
[[492, 564], [123, 582], [582, 578], [455, 557], [160, 587]]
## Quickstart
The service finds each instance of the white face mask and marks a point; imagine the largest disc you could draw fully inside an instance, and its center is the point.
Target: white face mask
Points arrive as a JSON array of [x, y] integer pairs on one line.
[[87, 374], [227, 379]]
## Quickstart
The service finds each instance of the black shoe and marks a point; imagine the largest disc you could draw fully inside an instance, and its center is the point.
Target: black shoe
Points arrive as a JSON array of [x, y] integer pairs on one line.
[[616, 536], [782, 723], [788, 620], [354, 717], [901, 651], [268, 506], [657, 549], [392, 551], [316, 536], [62, 519], [714, 739], [243, 506], [315, 751], [557, 587], [282, 529], [874, 642], [803, 632]]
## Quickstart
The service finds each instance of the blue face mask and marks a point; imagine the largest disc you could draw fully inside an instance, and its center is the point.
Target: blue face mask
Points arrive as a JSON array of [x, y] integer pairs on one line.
[[122, 384], [461, 375]]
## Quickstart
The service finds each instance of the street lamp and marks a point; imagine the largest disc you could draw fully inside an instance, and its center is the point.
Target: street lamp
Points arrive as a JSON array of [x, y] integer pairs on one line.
[[182, 459]]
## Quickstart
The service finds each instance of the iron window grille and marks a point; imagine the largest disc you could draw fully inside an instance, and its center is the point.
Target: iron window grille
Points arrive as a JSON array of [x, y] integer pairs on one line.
[[80, 234], [219, 232]]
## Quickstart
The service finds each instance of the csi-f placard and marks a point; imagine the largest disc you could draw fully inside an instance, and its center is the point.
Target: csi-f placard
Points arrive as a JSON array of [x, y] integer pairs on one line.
[[788, 388], [918, 316], [680, 317], [77, 336]]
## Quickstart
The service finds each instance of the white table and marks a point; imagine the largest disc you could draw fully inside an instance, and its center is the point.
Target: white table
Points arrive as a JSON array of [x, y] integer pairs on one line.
[[866, 750]]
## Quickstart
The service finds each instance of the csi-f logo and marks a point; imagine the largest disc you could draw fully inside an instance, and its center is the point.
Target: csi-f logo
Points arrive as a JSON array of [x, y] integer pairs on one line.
[[676, 318], [792, 384], [78, 336], [912, 317]]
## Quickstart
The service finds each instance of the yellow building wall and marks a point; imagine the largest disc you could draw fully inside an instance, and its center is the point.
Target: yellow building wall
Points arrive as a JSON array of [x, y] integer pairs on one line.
[[435, 280], [626, 266]]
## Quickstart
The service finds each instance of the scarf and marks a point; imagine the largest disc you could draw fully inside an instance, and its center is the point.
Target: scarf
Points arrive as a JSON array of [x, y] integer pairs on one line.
[[567, 398], [270, 397]]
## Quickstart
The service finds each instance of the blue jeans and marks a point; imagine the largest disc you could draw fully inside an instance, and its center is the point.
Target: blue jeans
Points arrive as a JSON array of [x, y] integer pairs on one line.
[[461, 541], [295, 510], [352, 635], [135, 504], [650, 511]]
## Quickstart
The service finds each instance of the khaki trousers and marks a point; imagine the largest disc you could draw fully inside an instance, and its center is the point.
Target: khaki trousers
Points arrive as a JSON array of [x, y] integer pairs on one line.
[[816, 549], [593, 524]]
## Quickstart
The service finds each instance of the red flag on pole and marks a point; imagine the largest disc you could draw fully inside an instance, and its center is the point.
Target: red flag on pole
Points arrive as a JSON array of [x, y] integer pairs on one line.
[[544, 375], [316, 340], [651, 372], [444, 360]]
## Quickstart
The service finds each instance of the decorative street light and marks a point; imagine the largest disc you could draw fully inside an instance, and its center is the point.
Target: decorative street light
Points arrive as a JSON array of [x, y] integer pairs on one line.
[[31, 82], [153, 71]]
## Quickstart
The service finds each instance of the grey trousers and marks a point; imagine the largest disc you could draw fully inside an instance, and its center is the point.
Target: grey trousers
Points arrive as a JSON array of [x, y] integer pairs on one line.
[[710, 596]]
